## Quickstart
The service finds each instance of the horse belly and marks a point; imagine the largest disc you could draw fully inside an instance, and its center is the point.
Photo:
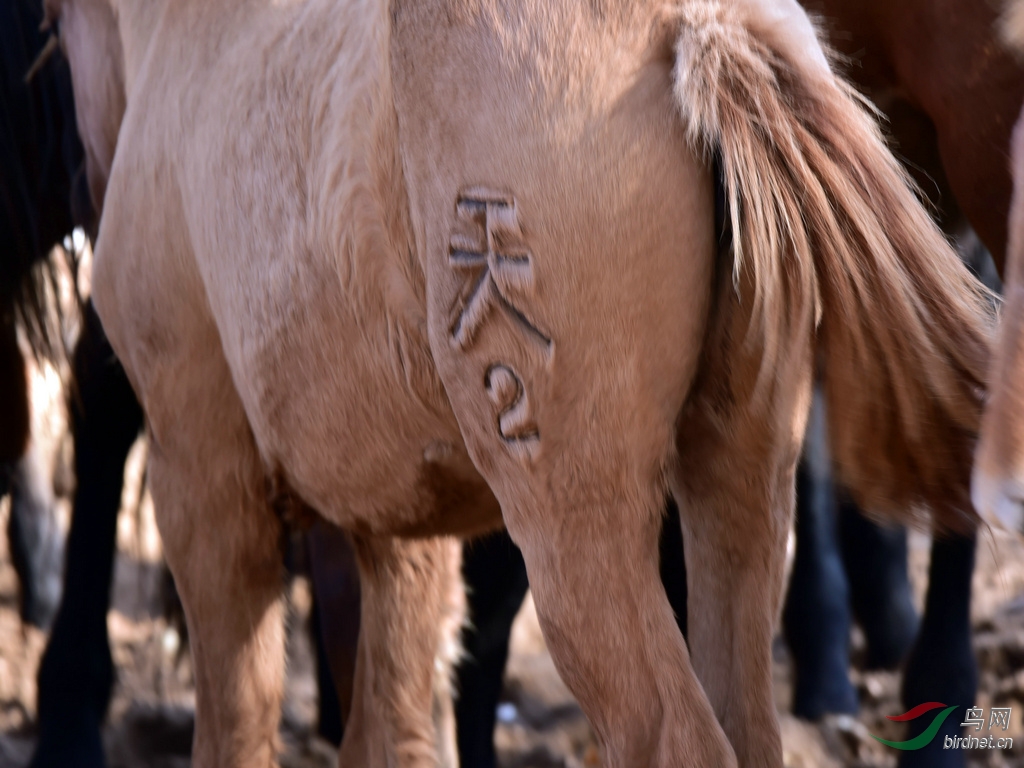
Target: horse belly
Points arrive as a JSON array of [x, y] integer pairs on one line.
[[359, 427]]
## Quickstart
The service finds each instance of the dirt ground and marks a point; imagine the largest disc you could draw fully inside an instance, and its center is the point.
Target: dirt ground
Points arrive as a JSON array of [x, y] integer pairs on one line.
[[540, 725]]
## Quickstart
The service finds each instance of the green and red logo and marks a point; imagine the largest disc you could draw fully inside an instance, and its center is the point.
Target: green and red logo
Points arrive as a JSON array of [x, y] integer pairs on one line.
[[924, 738]]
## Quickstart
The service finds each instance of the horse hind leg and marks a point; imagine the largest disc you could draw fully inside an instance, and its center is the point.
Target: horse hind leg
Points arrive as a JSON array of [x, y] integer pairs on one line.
[[941, 665], [335, 623], [223, 543], [35, 539], [412, 611], [736, 539], [76, 674], [587, 516], [734, 483], [876, 564], [412, 608], [496, 584], [816, 617], [587, 513], [14, 415]]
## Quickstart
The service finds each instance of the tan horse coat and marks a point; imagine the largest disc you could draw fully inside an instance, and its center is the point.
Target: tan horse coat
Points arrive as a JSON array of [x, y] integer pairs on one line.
[[430, 266]]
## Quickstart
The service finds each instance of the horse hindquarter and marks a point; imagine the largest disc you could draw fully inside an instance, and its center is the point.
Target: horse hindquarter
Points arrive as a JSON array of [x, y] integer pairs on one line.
[[565, 231]]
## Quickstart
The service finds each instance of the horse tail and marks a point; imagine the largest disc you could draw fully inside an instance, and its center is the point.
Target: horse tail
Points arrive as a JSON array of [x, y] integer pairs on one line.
[[825, 221]]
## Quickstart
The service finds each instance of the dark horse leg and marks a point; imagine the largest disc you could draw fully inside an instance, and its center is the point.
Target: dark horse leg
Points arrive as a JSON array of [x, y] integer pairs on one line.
[[875, 558], [31, 527], [330, 723], [335, 624], [496, 584], [942, 666], [14, 415], [816, 616], [816, 613], [35, 541], [843, 560], [76, 674]]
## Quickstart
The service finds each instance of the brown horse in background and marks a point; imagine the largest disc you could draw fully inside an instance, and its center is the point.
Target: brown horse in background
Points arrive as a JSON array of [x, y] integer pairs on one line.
[[951, 92], [998, 482]]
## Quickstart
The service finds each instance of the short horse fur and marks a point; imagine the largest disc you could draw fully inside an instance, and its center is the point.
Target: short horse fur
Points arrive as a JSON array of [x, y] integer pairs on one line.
[[427, 266]]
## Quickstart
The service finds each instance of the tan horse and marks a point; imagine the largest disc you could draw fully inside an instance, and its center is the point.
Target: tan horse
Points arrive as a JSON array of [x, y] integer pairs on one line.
[[421, 264], [998, 481]]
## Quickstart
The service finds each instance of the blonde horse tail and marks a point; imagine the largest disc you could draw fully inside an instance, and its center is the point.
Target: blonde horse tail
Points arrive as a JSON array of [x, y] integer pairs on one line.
[[827, 225]]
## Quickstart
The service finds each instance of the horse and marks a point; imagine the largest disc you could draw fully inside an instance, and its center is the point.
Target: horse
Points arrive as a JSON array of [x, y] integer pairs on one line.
[[997, 480], [495, 214], [950, 93], [40, 156]]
